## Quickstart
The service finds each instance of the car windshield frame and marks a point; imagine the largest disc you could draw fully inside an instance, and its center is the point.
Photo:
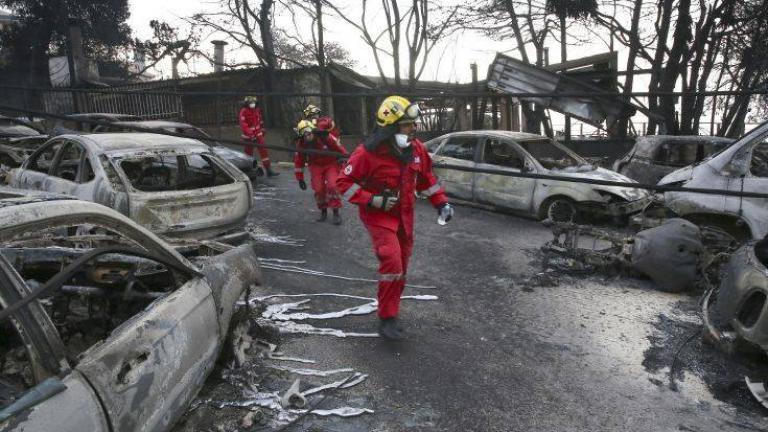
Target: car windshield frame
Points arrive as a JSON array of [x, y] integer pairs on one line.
[[580, 161]]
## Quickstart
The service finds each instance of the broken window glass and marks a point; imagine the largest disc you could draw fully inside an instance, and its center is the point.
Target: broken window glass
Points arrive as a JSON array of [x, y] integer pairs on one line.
[[550, 155], [69, 162], [498, 152], [460, 147], [159, 173], [759, 163], [43, 160]]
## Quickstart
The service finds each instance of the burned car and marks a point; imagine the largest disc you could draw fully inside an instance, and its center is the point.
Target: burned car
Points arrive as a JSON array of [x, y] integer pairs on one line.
[[14, 151], [105, 327], [81, 122], [655, 156], [239, 159], [12, 127], [172, 186], [742, 167], [519, 152], [734, 312]]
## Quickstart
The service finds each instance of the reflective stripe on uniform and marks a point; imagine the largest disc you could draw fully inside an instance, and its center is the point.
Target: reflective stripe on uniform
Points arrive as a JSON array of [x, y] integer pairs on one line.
[[351, 191], [265, 160], [432, 190], [390, 277], [298, 170]]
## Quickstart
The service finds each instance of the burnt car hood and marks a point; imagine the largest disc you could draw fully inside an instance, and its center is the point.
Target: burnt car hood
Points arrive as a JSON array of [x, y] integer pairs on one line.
[[681, 175], [629, 194]]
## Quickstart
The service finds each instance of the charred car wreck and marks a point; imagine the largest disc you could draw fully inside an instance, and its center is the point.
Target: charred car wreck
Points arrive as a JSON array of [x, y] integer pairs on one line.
[[105, 327], [655, 156], [676, 255], [519, 152], [172, 186], [741, 167]]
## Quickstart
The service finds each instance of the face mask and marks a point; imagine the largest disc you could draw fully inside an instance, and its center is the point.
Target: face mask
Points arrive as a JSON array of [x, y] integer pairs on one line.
[[402, 141], [252, 105]]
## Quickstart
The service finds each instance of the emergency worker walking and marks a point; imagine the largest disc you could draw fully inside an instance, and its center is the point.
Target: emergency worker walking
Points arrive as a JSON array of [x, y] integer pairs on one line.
[[323, 123], [381, 177], [252, 128], [323, 168]]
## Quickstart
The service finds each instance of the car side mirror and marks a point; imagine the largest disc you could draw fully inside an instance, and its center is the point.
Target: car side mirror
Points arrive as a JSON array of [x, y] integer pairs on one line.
[[526, 168]]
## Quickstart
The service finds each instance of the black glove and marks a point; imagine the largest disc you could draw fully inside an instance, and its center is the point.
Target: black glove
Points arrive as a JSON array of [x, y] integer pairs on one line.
[[303, 185], [385, 201]]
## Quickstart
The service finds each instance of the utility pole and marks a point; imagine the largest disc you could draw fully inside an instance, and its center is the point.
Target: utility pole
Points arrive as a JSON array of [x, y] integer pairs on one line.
[[473, 110], [563, 59], [218, 67], [321, 57], [74, 41]]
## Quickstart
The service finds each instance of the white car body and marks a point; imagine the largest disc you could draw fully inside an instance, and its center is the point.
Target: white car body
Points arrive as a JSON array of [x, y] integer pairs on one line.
[[737, 168], [527, 195]]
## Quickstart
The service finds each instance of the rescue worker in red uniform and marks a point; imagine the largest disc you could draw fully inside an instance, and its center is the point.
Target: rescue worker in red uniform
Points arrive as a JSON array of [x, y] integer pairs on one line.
[[381, 177], [252, 128], [324, 169], [323, 123]]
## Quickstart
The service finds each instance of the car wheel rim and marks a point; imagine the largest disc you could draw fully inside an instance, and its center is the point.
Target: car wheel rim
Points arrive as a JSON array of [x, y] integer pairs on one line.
[[561, 211]]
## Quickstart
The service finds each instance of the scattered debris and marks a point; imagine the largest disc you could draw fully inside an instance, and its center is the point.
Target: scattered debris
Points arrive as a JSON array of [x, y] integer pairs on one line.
[[671, 254], [262, 235], [252, 418], [311, 372], [267, 265], [758, 388], [676, 255], [292, 398]]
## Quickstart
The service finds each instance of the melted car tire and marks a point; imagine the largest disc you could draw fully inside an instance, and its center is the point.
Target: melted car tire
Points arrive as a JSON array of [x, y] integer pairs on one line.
[[549, 207]]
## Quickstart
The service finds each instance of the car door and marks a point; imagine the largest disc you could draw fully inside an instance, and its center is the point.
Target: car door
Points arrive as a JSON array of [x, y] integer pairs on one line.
[[755, 179], [514, 193], [153, 365], [75, 407], [34, 172], [71, 171], [458, 150]]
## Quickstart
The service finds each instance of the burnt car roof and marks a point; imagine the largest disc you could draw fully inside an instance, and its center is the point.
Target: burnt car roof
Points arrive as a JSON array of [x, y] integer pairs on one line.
[[106, 116], [156, 124], [647, 144], [11, 197], [501, 133], [108, 142]]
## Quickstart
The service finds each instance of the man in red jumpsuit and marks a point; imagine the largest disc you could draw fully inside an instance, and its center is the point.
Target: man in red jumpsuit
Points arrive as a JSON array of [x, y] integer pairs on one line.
[[252, 128], [381, 177], [323, 123], [324, 169]]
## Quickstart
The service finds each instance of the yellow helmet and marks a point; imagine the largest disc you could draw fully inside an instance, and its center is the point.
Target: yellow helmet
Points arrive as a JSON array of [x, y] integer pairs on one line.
[[311, 110], [396, 109], [305, 127], [250, 99]]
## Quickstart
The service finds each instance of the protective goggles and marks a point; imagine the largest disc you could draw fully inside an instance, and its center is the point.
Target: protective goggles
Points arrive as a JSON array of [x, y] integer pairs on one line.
[[412, 112]]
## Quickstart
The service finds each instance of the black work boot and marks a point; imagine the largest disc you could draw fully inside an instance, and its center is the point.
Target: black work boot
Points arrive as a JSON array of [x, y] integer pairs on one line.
[[323, 216], [388, 329], [336, 217], [257, 169], [271, 173]]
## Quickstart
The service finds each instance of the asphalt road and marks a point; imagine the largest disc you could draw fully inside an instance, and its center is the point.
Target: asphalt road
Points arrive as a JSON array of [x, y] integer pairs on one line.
[[492, 353]]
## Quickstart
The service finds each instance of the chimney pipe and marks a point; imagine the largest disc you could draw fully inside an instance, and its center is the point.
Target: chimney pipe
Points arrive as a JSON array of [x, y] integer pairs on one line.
[[218, 55]]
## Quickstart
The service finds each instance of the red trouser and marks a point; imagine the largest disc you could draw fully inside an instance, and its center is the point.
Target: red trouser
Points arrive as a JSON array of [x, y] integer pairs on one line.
[[393, 249], [263, 153], [324, 184]]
